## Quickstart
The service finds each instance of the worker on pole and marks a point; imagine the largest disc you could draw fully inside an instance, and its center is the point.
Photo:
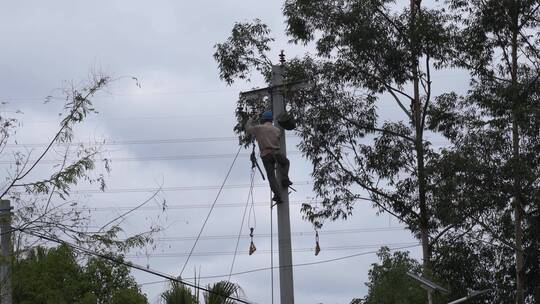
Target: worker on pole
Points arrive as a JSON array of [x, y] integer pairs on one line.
[[268, 140]]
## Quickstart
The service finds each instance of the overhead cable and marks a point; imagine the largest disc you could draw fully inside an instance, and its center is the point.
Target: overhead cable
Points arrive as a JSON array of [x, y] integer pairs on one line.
[[294, 265], [179, 188], [295, 234], [266, 251], [145, 158], [191, 206], [127, 264], [211, 209]]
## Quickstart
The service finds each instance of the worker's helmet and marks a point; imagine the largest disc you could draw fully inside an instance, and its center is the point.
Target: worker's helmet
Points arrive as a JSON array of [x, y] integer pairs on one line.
[[267, 116]]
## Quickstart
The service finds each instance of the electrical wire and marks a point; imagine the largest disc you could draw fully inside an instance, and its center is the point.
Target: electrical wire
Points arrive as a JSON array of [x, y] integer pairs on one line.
[[252, 211], [127, 264], [179, 188], [268, 251], [167, 189], [294, 234], [144, 158], [294, 265], [113, 96], [115, 142], [211, 209], [195, 206], [131, 118], [252, 178]]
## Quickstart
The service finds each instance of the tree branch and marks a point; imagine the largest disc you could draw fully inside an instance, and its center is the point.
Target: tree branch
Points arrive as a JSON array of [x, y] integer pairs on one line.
[[65, 123], [428, 92], [372, 189]]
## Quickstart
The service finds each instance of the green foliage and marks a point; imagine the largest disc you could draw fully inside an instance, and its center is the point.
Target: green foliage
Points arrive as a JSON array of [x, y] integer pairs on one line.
[[389, 283], [366, 48], [244, 50], [37, 199], [54, 275], [218, 294], [48, 276], [178, 294], [462, 200], [42, 203], [491, 171], [128, 296], [463, 264], [220, 291], [106, 279]]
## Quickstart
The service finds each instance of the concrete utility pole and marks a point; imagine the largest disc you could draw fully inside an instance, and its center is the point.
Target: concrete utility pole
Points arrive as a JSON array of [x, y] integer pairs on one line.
[[5, 268], [284, 222], [275, 91]]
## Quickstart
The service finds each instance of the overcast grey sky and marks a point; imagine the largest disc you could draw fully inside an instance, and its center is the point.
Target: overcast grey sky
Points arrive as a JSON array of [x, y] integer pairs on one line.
[[168, 46]]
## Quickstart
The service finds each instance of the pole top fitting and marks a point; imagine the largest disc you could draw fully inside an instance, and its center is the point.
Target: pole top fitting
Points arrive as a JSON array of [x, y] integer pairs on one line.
[[282, 57]]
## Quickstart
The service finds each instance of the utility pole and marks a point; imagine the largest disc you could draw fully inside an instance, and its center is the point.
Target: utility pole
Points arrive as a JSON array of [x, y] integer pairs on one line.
[[284, 221], [5, 240], [275, 91]]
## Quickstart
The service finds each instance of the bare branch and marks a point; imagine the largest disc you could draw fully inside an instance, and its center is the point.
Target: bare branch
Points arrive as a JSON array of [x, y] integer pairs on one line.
[[123, 215]]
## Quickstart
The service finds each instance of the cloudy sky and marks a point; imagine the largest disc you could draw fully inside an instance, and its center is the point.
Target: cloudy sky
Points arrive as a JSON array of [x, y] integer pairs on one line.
[[180, 110]]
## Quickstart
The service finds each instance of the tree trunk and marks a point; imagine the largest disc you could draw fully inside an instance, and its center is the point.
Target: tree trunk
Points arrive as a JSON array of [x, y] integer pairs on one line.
[[517, 204], [419, 147]]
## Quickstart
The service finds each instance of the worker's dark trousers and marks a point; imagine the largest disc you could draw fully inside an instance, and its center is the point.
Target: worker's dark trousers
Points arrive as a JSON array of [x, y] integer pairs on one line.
[[269, 162]]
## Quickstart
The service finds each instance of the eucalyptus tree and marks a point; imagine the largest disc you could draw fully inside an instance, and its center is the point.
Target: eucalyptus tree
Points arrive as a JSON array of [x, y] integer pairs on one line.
[[490, 176], [389, 282], [368, 53], [42, 197]]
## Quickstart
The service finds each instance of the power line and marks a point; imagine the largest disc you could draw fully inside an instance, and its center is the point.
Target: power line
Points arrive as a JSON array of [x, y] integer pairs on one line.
[[127, 264], [267, 251], [175, 117], [168, 189], [296, 233], [113, 96], [117, 142], [146, 158], [211, 209], [179, 188], [250, 193], [294, 265], [113, 142], [193, 206]]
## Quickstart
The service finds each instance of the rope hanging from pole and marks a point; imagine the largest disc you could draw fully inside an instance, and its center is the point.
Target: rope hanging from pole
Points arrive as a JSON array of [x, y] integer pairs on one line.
[[251, 214]]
